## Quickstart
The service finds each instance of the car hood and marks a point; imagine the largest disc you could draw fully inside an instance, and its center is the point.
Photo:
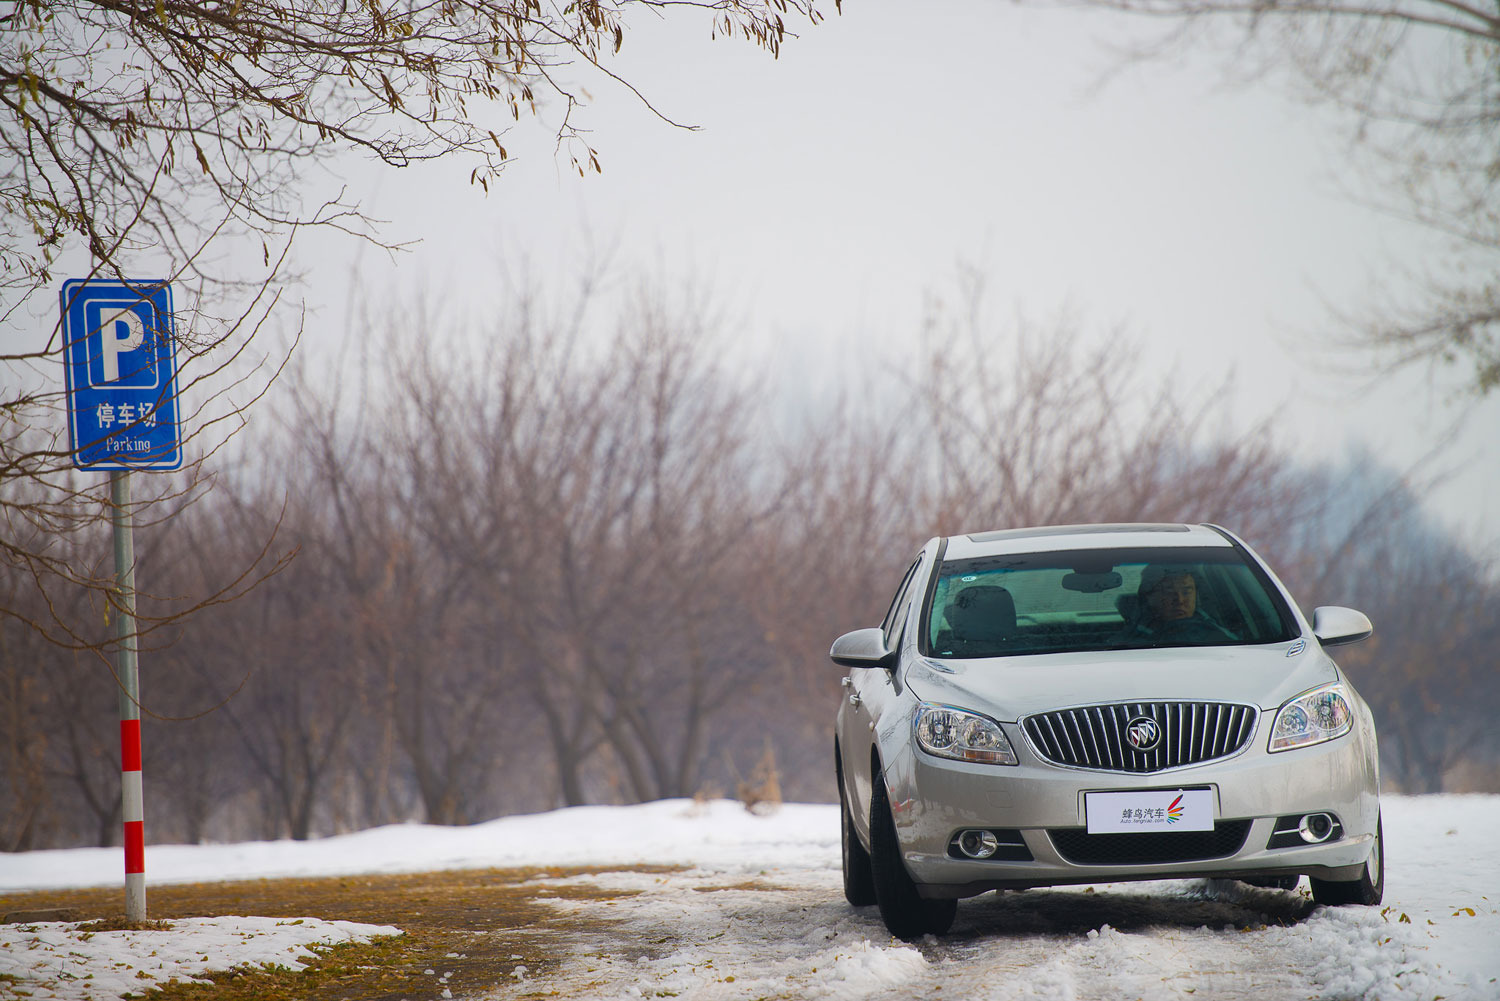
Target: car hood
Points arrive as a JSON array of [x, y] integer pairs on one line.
[[1011, 687]]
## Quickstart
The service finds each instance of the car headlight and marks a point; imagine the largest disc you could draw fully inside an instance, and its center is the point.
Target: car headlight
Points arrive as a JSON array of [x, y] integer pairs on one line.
[[1319, 715], [961, 735]]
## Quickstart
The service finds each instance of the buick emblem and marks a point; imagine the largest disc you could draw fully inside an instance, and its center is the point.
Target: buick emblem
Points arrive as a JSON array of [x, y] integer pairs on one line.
[[1143, 733]]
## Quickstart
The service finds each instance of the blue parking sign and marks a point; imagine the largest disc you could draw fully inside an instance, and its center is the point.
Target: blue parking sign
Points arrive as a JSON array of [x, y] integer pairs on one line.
[[119, 353]]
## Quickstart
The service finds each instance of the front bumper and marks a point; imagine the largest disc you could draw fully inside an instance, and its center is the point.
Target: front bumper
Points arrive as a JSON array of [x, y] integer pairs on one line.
[[933, 799]]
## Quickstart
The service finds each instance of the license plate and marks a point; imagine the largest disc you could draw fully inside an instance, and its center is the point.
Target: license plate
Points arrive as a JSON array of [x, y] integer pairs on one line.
[[1157, 810]]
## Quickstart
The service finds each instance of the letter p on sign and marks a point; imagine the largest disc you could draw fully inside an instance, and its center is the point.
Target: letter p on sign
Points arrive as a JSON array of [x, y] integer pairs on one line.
[[113, 323]]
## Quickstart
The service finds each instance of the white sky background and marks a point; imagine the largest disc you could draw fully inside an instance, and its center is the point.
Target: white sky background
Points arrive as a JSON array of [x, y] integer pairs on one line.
[[828, 192]]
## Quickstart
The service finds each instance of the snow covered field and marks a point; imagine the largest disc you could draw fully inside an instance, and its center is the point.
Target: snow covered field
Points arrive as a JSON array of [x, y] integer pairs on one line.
[[758, 912]]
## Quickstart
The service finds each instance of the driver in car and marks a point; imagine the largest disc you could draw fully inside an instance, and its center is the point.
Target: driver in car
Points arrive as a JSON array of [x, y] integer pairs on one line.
[[1170, 612]]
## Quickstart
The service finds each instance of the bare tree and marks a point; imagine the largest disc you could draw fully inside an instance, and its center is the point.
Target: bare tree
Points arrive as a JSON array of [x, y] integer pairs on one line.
[[1028, 424], [598, 491], [849, 521], [24, 736], [129, 124], [1420, 83], [638, 502], [1433, 600]]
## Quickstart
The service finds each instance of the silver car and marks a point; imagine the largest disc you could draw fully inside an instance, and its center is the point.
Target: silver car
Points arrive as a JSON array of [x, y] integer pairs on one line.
[[1094, 704]]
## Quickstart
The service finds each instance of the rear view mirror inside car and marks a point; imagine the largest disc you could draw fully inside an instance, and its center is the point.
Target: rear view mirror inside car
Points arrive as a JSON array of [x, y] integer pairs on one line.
[[1091, 583]]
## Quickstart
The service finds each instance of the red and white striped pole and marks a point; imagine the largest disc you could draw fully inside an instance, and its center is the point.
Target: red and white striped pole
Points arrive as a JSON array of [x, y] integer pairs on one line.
[[131, 801]]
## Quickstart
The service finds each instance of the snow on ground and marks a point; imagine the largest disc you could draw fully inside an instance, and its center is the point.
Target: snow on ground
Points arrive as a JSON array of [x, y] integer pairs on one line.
[[757, 911], [56, 960], [671, 832]]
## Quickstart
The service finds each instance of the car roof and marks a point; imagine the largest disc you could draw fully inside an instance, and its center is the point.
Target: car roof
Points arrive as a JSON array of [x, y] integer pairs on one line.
[[1056, 538]]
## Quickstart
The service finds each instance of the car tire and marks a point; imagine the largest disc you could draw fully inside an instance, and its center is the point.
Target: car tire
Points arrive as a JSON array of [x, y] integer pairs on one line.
[[859, 882], [906, 914], [1368, 889]]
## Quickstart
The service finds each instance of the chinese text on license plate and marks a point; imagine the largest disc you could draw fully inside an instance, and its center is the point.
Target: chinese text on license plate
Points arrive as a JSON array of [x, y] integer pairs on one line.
[[1156, 810]]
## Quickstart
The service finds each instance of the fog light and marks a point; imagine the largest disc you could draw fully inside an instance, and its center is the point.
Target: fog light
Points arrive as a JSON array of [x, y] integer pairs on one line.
[[1315, 828], [978, 844]]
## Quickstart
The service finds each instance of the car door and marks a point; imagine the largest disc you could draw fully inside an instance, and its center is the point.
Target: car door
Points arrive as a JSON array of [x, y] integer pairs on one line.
[[870, 693]]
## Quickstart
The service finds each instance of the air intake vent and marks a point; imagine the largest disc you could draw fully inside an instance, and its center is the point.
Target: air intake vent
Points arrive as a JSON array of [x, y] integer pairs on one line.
[[1106, 736], [1150, 848]]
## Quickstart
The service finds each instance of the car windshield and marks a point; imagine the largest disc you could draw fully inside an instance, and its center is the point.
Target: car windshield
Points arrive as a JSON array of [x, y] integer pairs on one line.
[[1102, 599]]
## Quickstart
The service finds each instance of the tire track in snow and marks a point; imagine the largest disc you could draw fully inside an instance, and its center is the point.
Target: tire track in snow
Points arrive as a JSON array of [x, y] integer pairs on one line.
[[789, 934]]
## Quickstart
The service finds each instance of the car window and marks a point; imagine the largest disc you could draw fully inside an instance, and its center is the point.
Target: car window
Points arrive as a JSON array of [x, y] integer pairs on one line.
[[896, 614], [1103, 600]]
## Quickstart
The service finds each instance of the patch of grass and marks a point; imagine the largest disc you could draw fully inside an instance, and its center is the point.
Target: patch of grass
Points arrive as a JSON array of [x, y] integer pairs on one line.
[[116, 922], [744, 886], [385, 968], [471, 928]]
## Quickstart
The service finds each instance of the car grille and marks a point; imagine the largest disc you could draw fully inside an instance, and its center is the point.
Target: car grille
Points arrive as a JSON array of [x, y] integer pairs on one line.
[[1095, 736], [1078, 846]]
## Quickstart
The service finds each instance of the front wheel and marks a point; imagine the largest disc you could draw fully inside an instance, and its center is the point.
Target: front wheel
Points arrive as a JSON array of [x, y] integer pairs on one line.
[[905, 913], [1368, 889]]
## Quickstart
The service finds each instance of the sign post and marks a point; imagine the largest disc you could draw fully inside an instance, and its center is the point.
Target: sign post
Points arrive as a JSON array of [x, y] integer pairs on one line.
[[132, 797], [120, 360]]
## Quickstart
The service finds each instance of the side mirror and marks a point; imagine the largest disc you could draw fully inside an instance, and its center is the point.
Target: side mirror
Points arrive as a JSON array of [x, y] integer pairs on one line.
[[1335, 625], [862, 648]]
